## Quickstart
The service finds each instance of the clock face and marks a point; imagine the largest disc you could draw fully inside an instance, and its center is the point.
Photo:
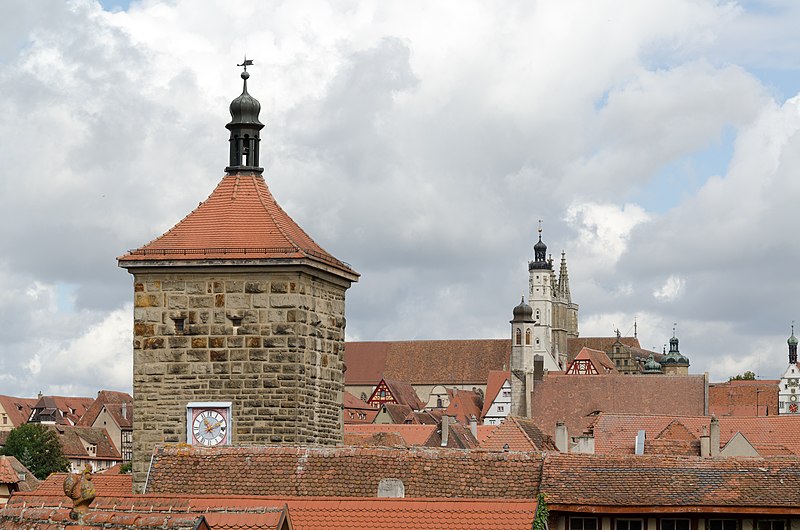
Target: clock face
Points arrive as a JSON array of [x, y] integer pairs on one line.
[[209, 427]]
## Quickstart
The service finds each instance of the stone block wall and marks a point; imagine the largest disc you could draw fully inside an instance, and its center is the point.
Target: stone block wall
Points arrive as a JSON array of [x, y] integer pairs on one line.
[[271, 342]]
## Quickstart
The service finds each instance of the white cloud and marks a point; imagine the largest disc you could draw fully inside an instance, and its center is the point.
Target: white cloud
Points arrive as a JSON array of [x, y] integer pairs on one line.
[[671, 289]]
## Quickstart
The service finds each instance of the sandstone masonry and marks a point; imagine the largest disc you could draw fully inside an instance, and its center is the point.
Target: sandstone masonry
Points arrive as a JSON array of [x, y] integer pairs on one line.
[[271, 342]]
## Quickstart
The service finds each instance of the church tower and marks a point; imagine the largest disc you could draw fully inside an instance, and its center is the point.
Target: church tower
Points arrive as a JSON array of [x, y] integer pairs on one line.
[[789, 387], [238, 318], [522, 352], [542, 285]]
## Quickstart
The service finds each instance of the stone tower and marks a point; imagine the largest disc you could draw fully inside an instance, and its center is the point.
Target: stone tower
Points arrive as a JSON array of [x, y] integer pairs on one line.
[[789, 385], [238, 319]]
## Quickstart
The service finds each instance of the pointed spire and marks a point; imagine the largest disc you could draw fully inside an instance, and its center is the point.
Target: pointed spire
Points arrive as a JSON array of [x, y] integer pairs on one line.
[[245, 129], [563, 279], [792, 347]]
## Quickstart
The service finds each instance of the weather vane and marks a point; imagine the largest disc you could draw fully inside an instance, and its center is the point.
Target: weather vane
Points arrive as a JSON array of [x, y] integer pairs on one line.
[[247, 62], [540, 226]]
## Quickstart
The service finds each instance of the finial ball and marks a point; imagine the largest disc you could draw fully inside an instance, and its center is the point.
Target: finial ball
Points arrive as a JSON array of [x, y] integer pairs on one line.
[[245, 75]]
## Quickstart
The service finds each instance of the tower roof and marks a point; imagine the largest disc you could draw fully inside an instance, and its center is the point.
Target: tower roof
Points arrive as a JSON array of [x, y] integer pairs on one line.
[[523, 312], [240, 220]]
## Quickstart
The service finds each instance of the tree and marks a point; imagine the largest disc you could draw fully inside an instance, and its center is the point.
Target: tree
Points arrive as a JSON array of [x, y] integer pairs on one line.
[[542, 514], [747, 376], [37, 448]]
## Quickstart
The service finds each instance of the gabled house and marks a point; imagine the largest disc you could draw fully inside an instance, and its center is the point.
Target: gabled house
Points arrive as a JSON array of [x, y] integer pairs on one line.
[[591, 362], [356, 410], [464, 405], [517, 434], [393, 413], [14, 411], [87, 445], [113, 411], [395, 392], [14, 477], [497, 401]]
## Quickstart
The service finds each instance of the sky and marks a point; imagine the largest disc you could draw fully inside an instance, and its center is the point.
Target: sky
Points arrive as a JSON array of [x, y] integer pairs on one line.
[[421, 142]]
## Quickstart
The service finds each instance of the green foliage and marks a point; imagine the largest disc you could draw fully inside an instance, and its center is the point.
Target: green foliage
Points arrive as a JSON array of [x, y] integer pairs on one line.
[[542, 513], [747, 376], [125, 468], [37, 448]]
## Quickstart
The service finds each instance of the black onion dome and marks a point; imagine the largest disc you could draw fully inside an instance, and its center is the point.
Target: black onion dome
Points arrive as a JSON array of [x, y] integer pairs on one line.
[[523, 312], [245, 108]]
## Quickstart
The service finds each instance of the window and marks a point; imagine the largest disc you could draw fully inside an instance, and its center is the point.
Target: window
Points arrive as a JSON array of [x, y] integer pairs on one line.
[[518, 337], [5, 419], [537, 342], [527, 337], [780, 404], [180, 324], [236, 321], [628, 524], [363, 396], [500, 408], [439, 403], [582, 523], [537, 314], [722, 524], [674, 524], [506, 393], [771, 524]]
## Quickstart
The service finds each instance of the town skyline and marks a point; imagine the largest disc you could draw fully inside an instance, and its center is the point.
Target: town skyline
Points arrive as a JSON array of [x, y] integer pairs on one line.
[[657, 144]]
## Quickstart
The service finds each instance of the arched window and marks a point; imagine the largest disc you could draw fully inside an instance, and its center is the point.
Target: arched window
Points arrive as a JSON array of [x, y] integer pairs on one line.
[[518, 336], [527, 337], [363, 396], [537, 342], [537, 314]]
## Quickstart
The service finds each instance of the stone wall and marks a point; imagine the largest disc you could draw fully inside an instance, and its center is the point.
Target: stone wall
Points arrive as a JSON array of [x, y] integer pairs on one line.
[[270, 342]]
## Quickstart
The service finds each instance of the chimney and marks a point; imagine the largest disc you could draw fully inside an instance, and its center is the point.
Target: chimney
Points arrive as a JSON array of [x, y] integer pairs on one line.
[[538, 368], [40, 395], [473, 426], [640, 436], [705, 443], [714, 442], [561, 437], [445, 430], [125, 410]]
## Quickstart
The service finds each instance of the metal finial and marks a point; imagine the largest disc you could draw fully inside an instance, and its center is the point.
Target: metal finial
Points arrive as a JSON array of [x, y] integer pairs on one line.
[[674, 327], [247, 62], [540, 228]]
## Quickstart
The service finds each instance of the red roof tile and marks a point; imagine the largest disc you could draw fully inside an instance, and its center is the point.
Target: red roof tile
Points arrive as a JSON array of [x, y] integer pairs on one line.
[[404, 394], [421, 362], [409, 434], [464, 404], [740, 398], [104, 485], [240, 220], [18, 409], [518, 434], [575, 344], [599, 359], [72, 442], [686, 484], [342, 471], [577, 400], [402, 514]]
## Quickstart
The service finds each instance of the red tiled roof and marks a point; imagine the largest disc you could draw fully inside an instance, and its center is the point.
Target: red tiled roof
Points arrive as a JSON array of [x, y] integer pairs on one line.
[[410, 434], [464, 404], [459, 437], [113, 403], [494, 383], [129, 511], [403, 514], [8, 474], [740, 398], [18, 409], [398, 413], [240, 220], [342, 471], [770, 436], [305, 513], [658, 483], [352, 402], [520, 435], [577, 400], [13, 472], [72, 437], [105, 485], [598, 358], [71, 408], [575, 344], [484, 431], [422, 362], [404, 394]]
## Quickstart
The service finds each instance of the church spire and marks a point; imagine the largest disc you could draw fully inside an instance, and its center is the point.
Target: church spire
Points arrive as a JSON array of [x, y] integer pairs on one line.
[[245, 129], [563, 280], [792, 347]]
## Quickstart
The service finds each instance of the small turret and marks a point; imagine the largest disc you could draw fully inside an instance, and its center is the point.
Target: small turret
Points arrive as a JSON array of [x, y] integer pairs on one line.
[[792, 342], [652, 366], [245, 130]]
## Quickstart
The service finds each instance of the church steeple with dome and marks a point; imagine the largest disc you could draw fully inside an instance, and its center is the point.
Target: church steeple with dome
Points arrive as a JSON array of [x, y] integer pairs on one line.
[[789, 385]]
